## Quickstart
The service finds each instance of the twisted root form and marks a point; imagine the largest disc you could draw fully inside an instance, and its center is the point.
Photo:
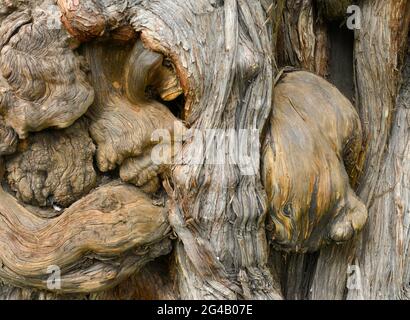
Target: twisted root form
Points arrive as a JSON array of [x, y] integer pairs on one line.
[[96, 243]]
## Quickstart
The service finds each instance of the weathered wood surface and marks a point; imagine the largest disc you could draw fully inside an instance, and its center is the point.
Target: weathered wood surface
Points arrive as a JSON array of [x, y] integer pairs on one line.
[[53, 167], [302, 38], [46, 83], [378, 49], [115, 65], [122, 119], [101, 238], [151, 282], [215, 57], [384, 251], [97, 242], [314, 132]]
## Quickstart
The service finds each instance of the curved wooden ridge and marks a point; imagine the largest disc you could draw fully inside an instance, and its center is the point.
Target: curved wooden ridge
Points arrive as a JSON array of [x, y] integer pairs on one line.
[[97, 97], [97, 242], [312, 147], [36, 61], [103, 237]]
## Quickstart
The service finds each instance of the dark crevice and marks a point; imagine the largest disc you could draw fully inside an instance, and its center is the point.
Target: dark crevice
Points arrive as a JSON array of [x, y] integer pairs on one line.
[[341, 62], [176, 106], [302, 268]]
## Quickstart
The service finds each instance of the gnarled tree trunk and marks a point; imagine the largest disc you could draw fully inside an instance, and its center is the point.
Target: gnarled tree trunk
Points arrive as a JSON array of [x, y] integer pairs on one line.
[[204, 149]]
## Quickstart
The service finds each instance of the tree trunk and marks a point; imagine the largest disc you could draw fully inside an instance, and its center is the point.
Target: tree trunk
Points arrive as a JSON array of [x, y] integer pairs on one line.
[[201, 149]]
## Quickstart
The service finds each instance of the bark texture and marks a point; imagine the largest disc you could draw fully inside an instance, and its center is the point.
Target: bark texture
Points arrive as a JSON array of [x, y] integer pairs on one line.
[[378, 49], [389, 241], [303, 40], [224, 72], [122, 117], [85, 105], [98, 242], [311, 137], [8, 139], [46, 83], [53, 167]]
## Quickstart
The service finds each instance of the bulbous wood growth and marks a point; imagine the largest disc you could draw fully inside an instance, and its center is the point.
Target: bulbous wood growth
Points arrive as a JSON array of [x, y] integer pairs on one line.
[[41, 172], [52, 91], [90, 90], [314, 133]]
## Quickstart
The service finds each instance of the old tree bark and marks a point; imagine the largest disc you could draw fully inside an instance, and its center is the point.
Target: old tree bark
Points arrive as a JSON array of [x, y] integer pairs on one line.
[[283, 135]]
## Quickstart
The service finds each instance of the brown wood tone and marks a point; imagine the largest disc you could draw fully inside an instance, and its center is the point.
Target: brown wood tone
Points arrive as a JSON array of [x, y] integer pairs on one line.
[[309, 199], [303, 38], [334, 9], [379, 48], [46, 83], [97, 242], [312, 138]]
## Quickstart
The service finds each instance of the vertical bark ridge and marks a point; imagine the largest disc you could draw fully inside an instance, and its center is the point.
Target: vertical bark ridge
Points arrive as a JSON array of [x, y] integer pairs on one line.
[[378, 48], [218, 213], [303, 39], [384, 257]]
